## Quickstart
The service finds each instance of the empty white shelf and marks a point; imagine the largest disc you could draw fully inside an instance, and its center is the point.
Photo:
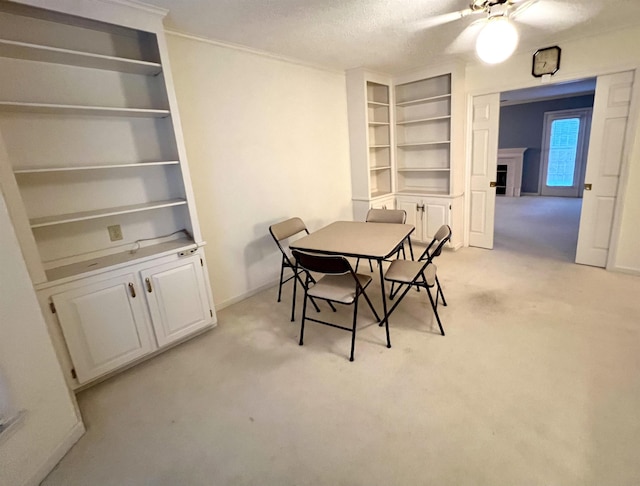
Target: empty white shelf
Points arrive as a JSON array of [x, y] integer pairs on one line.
[[138, 165], [102, 213], [55, 55], [424, 120], [419, 144], [424, 100], [55, 109]]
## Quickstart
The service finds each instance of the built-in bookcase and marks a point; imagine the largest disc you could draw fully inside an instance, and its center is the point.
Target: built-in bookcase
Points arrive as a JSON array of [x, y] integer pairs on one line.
[[423, 136], [379, 132], [94, 172], [88, 133]]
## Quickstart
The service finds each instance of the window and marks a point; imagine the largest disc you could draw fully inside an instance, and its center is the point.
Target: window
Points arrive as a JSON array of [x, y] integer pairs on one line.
[[563, 148]]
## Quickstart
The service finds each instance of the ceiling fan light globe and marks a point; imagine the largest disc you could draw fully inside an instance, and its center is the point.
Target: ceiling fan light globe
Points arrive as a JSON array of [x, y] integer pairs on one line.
[[497, 40]]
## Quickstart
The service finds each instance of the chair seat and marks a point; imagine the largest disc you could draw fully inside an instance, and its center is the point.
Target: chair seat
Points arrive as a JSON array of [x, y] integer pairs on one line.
[[338, 288], [405, 271]]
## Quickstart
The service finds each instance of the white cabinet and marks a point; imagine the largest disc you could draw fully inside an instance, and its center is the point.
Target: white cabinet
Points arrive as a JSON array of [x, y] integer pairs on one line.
[[104, 325], [426, 214], [413, 124], [177, 298], [92, 158], [111, 320], [385, 203], [93, 168]]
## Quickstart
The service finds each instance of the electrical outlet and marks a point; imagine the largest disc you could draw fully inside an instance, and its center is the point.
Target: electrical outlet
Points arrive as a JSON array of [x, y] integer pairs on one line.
[[115, 232]]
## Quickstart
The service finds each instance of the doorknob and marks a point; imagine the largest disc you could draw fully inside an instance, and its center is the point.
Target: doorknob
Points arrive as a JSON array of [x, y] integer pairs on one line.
[[493, 184], [587, 187]]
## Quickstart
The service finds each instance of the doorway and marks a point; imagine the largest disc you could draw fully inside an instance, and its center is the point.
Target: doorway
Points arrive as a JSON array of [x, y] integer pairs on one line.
[[605, 164], [553, 132]]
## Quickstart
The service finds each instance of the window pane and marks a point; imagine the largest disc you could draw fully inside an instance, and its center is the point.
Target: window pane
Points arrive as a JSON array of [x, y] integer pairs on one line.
[[563, 147]]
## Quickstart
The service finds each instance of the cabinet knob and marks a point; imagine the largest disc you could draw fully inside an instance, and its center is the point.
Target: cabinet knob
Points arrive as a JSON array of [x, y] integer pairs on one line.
[[132, 290], [148, 282]]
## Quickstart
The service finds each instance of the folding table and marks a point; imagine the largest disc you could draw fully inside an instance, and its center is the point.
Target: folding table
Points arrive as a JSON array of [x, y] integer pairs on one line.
[[376, 241]]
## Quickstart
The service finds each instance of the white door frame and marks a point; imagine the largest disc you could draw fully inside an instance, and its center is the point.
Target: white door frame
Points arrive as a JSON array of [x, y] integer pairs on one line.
[[632, 124], [581, 150]]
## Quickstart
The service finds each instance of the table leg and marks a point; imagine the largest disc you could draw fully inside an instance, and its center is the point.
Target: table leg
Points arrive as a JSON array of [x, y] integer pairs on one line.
[[385, 319]]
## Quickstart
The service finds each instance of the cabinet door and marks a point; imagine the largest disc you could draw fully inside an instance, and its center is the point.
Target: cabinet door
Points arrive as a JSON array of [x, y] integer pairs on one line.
[[415, 216], [383, 204], [436, 214], [104, 325], [177, 298]]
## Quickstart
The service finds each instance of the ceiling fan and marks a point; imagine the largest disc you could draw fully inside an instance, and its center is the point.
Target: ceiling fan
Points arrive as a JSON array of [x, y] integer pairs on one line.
[[498, 37]]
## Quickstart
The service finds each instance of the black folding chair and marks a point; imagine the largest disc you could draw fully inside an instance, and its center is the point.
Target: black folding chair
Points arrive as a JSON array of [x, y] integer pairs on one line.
[[339, 284], [433, 250], [281, 232], [421, 274], [395, 216]]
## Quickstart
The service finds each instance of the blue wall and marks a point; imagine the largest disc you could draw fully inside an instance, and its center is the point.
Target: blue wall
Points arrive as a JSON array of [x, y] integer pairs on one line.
[[521, 126]]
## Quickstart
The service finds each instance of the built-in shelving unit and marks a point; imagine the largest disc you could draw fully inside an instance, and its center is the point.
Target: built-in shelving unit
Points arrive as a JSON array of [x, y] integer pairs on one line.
[[92, 140], [423, 136], [407, 152], [93, 169], [378, 120]]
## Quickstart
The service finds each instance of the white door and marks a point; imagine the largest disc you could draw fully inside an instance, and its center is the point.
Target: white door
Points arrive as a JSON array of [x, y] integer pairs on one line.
[[177, 299], [484, 156], [564, 150], [104, 325], [608, 130]]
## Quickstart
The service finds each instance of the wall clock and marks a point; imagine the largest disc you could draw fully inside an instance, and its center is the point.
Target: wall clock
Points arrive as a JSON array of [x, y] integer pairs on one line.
[[546, 61]]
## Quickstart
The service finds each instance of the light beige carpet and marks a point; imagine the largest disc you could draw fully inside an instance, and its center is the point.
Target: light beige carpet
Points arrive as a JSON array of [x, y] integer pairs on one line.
[[535, 383]]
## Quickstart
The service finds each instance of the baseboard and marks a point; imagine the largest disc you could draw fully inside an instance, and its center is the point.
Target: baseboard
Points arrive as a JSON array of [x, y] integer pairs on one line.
[[627, 270], [59, 452], [246, 295]]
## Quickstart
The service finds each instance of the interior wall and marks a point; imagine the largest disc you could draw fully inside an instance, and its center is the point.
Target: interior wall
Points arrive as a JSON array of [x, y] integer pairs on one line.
[[581, 59], [266, 140], [521, 125], [32, 379]]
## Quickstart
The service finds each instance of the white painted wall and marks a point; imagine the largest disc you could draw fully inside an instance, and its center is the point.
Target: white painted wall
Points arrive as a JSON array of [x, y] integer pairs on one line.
[[31, 373], [266, 140], [580, 59]]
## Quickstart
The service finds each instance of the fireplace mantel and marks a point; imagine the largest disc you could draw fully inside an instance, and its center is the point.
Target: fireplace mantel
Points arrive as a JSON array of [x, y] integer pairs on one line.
[[513, 158]]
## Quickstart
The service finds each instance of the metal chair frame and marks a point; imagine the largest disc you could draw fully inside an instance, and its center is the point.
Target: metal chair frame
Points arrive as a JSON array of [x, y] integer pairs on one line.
[[375, 215], [420, 280], [292, 227], [442, 236], [331, 265]]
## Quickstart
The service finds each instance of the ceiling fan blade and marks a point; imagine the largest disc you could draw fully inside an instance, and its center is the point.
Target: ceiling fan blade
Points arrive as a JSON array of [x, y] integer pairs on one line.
[[564, 14], [442, 19], [521, 7], [465, 41]]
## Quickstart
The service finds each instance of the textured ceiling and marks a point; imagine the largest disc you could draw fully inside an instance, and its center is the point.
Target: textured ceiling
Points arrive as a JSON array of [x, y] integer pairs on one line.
[[383, 35]]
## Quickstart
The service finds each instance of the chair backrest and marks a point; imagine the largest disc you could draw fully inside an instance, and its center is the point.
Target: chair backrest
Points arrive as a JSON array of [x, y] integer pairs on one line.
[[327, 264], [286, 229], [398, 216], [439, 240]]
